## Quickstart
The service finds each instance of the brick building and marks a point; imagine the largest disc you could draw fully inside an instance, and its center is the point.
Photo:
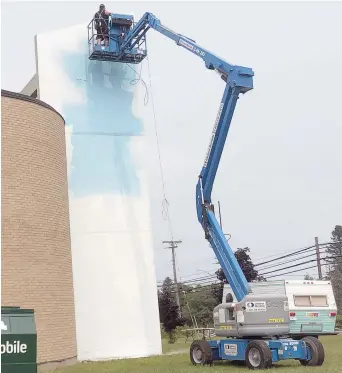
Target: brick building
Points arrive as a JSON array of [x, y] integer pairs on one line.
[[36, 262]]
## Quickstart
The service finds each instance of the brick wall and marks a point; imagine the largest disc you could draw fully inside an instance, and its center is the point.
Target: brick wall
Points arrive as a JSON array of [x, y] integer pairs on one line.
[[36, 265]]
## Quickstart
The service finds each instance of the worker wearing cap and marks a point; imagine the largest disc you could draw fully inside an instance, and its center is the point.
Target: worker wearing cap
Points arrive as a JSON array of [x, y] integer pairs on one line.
[[101, 20]]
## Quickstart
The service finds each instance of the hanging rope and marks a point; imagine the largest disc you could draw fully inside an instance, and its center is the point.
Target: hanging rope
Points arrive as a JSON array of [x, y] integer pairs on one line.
[[140, 79], [165, 203]]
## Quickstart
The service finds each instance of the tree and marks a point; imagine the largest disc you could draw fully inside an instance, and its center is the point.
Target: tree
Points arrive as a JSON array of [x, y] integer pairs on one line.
[[247, 266], [334, 252], [199, 304], [335, 249], [217, 291], [168, 309]]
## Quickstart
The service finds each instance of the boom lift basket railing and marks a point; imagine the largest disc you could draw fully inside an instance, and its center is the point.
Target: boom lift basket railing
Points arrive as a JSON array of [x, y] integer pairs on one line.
[[118, 28]]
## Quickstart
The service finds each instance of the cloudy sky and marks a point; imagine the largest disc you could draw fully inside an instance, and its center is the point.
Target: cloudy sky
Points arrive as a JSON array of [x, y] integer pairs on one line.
[[280, 179]]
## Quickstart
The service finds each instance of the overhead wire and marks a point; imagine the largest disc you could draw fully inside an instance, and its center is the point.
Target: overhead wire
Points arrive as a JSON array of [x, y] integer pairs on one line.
[[195, 280], [190, 275], [298, 270], [288, 261], [213, 276], [286, 256], [298, 264], [208, 285], [297, 252], [199, 288], [273, 255]]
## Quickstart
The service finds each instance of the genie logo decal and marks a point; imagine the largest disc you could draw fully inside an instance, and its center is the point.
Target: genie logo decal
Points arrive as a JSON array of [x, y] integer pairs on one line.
[[186, 44], [191, 47], [255, 306]]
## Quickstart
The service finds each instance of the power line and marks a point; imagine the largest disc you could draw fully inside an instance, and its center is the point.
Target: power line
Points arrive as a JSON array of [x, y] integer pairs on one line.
[[311, 248], [196, 279], [286, 256], [287, 261], [205, 286], [295, 253], [208, 285], [287, 251], [183, 285], [191, 275], [273, 255], [298, 270], [299, 264], [213, 277], [210, 279]]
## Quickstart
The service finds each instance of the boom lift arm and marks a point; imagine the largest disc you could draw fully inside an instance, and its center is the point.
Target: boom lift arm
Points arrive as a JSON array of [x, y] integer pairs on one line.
[[238, 80], [246, 323]]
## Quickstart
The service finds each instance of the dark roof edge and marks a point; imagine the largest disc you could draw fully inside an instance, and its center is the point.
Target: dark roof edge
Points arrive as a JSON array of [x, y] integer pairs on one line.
[[20, 96]]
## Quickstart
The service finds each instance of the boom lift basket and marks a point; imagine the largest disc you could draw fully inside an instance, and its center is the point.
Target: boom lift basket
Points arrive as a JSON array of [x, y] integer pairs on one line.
[[119, 26]]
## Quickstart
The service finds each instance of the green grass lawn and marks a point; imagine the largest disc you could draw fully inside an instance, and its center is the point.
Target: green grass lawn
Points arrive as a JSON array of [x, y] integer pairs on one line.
[[181, 363], [179, 345]]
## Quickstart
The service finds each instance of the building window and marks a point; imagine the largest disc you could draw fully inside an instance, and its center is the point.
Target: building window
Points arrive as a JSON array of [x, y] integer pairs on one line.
[[34, 94], [310, 300]]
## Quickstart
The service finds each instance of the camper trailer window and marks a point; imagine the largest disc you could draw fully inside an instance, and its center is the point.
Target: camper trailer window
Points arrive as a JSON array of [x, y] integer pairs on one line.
[[319, 301], [302, 300], [310, 301]]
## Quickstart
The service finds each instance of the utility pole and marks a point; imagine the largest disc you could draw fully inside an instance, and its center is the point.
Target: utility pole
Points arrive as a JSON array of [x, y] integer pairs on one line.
[[173, 246], [318, 259]]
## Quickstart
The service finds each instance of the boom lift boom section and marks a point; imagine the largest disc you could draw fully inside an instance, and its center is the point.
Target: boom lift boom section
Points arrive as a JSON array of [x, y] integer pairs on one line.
[[238, 80]]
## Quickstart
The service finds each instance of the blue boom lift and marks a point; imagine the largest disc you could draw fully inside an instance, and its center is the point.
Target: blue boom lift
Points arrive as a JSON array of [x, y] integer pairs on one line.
[[255, 329]]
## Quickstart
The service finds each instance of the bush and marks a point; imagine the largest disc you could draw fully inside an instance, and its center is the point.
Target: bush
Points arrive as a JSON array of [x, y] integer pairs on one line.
[[339, 321], [177, 333]]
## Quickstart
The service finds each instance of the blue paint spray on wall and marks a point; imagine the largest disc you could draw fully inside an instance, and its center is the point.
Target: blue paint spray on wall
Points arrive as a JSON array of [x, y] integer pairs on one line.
[[110, 222], [102, 128]]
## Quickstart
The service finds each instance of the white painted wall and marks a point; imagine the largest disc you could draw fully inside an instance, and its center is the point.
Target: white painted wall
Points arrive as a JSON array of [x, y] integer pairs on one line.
[[111, 235]]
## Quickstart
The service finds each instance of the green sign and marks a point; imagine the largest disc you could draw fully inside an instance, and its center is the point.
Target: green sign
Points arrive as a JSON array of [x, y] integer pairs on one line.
[[18, 341]]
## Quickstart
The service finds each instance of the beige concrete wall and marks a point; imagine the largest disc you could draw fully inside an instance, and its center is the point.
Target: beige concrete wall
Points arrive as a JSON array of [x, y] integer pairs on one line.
[[36, 254]]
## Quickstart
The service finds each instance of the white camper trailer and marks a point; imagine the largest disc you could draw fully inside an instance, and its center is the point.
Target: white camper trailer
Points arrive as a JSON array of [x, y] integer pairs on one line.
[[312, 306]]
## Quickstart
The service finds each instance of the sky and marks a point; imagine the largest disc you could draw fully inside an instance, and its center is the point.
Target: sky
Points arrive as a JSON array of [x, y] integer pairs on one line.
[[279, 181]]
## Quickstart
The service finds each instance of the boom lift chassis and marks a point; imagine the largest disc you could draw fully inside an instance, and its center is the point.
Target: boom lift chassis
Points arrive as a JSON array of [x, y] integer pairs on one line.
[[255, 329]]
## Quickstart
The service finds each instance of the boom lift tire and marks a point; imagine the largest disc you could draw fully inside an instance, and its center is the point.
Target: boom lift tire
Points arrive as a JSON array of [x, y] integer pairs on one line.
[[201, 353], [317, 352], [258, 355]]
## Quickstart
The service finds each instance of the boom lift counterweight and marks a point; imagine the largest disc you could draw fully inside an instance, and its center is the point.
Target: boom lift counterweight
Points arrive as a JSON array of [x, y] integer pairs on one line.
[[256, 328]]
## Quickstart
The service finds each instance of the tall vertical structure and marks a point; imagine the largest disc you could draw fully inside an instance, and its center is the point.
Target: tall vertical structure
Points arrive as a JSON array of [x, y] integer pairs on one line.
[[111, 235], [36, 259]]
